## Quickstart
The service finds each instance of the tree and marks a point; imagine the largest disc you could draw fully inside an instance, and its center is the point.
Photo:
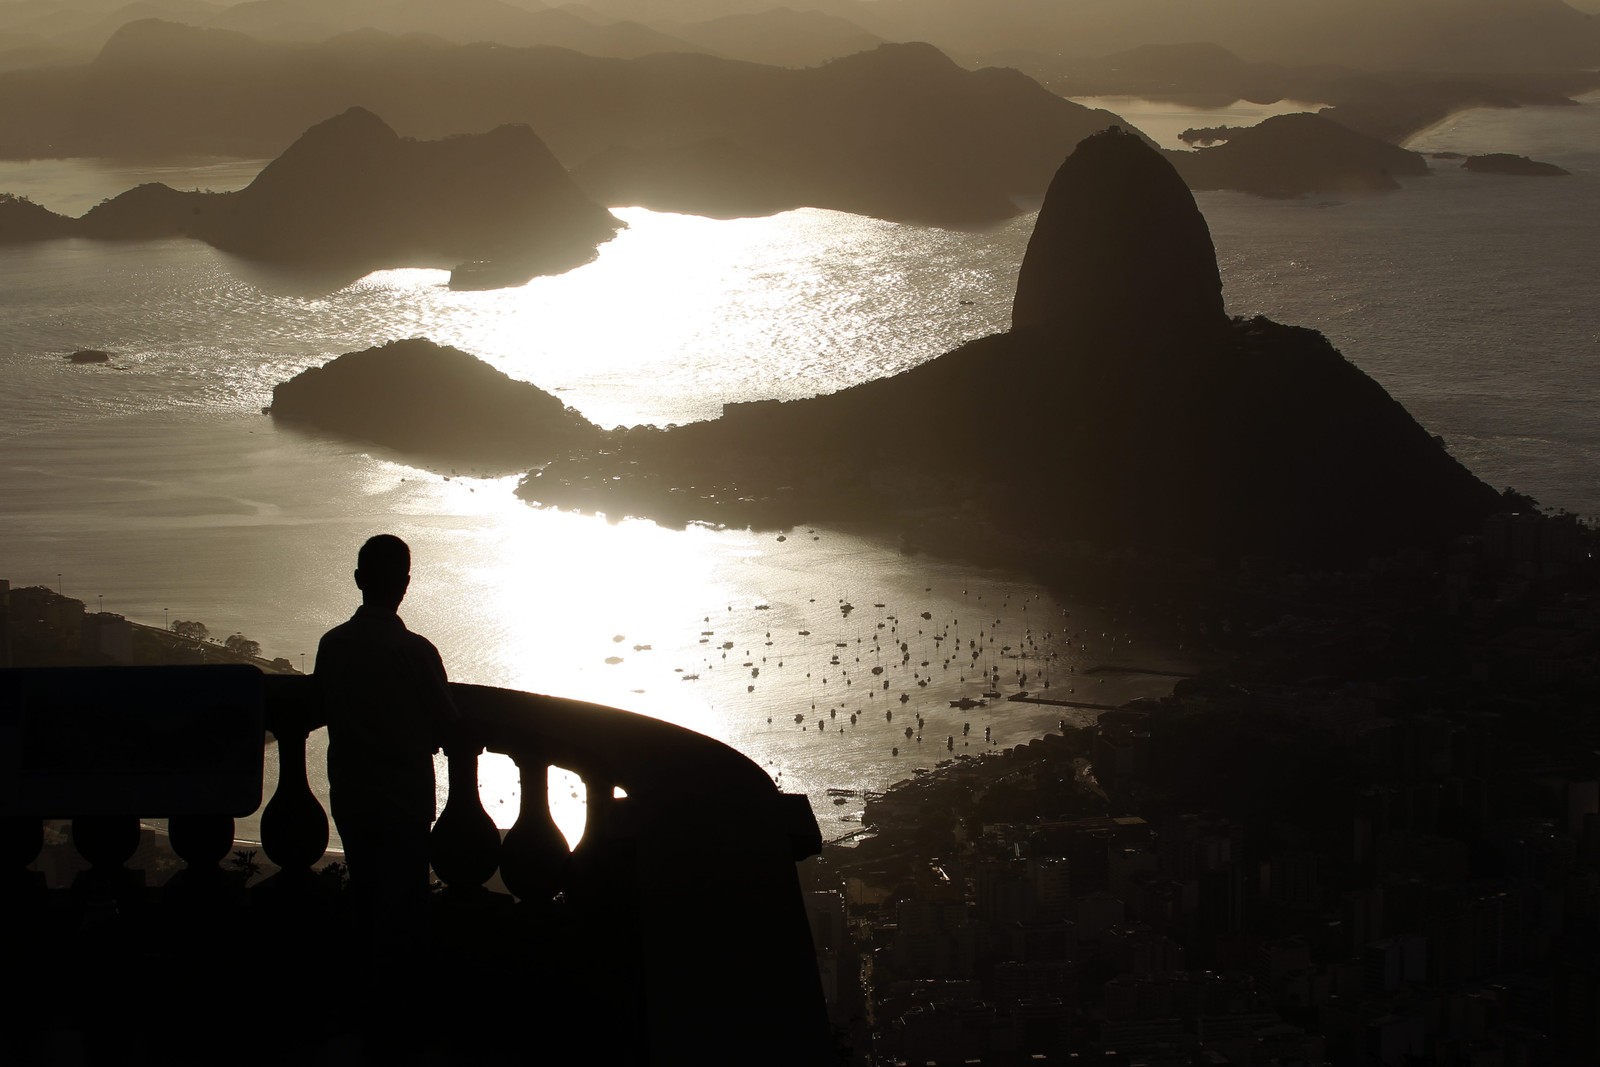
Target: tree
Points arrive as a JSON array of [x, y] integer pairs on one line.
[[194, 631], [241, 645]]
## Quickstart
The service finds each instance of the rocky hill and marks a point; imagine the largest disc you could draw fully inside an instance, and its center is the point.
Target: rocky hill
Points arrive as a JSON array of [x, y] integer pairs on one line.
[[352, 195], [352, 190], [1118, 237], [22, 220], [150, 211]]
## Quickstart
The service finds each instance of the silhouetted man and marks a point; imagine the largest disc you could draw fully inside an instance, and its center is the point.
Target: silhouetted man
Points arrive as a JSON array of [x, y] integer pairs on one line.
[[383, 690]]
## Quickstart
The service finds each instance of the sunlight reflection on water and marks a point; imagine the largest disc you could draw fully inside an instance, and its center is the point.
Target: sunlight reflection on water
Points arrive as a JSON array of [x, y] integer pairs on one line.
[[810, 301]]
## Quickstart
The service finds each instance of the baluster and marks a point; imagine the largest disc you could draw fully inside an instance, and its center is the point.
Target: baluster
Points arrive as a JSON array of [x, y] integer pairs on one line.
[[197, 903], [605, 896], [535, 862], [464, 846], [605, 823], [106, 841], [113, 931], [201, 841], [30, 944], [21, 841], [108, 886], [294, 828], [599, 806]]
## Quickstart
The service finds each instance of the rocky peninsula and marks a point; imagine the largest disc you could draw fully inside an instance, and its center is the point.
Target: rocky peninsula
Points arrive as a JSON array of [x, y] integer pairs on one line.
[[1140, 417]]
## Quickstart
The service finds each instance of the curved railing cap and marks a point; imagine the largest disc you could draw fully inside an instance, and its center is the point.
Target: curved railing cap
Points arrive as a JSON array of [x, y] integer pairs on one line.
[[650, 759]]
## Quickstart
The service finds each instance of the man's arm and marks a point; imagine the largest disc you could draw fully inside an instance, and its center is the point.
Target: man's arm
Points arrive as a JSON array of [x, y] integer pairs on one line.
[[444, 718], [324, 675]]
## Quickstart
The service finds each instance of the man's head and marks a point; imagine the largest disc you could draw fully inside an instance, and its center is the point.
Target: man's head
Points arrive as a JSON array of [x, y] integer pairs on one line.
[[383, 570]]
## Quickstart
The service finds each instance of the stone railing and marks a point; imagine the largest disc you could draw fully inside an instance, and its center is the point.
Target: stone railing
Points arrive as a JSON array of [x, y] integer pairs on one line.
[[680, 904]]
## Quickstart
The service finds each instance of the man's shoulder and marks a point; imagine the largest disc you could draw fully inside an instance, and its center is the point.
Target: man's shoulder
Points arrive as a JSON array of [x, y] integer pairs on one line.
[[423, 645], [340, 634], [361, 632], [335, 632], [367, 631]]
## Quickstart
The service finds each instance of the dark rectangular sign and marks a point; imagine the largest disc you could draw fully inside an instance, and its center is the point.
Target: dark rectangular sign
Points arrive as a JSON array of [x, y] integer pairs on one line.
[[144, 741]]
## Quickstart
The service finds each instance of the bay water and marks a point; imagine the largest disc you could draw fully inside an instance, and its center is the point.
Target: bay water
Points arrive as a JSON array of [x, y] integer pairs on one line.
[[154, 485]]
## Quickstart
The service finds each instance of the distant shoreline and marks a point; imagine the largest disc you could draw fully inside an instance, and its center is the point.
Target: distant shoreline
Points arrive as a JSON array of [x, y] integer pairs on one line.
[[1591, 98]]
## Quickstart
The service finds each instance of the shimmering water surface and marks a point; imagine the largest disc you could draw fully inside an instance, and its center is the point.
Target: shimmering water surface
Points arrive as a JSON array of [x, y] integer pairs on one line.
[[156, 482]]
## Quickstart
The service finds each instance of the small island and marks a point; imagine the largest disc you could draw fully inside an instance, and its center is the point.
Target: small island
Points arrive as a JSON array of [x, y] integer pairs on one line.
[[89, 356], [1293, 155], [1506, 163], [433, 402]]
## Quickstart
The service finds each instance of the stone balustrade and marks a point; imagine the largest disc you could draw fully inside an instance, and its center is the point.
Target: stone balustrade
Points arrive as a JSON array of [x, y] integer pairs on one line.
[[677, 920]]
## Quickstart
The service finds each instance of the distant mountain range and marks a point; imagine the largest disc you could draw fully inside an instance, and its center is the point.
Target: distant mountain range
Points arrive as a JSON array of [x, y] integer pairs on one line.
[[1364, 35], [898, 132], [44, 33]]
